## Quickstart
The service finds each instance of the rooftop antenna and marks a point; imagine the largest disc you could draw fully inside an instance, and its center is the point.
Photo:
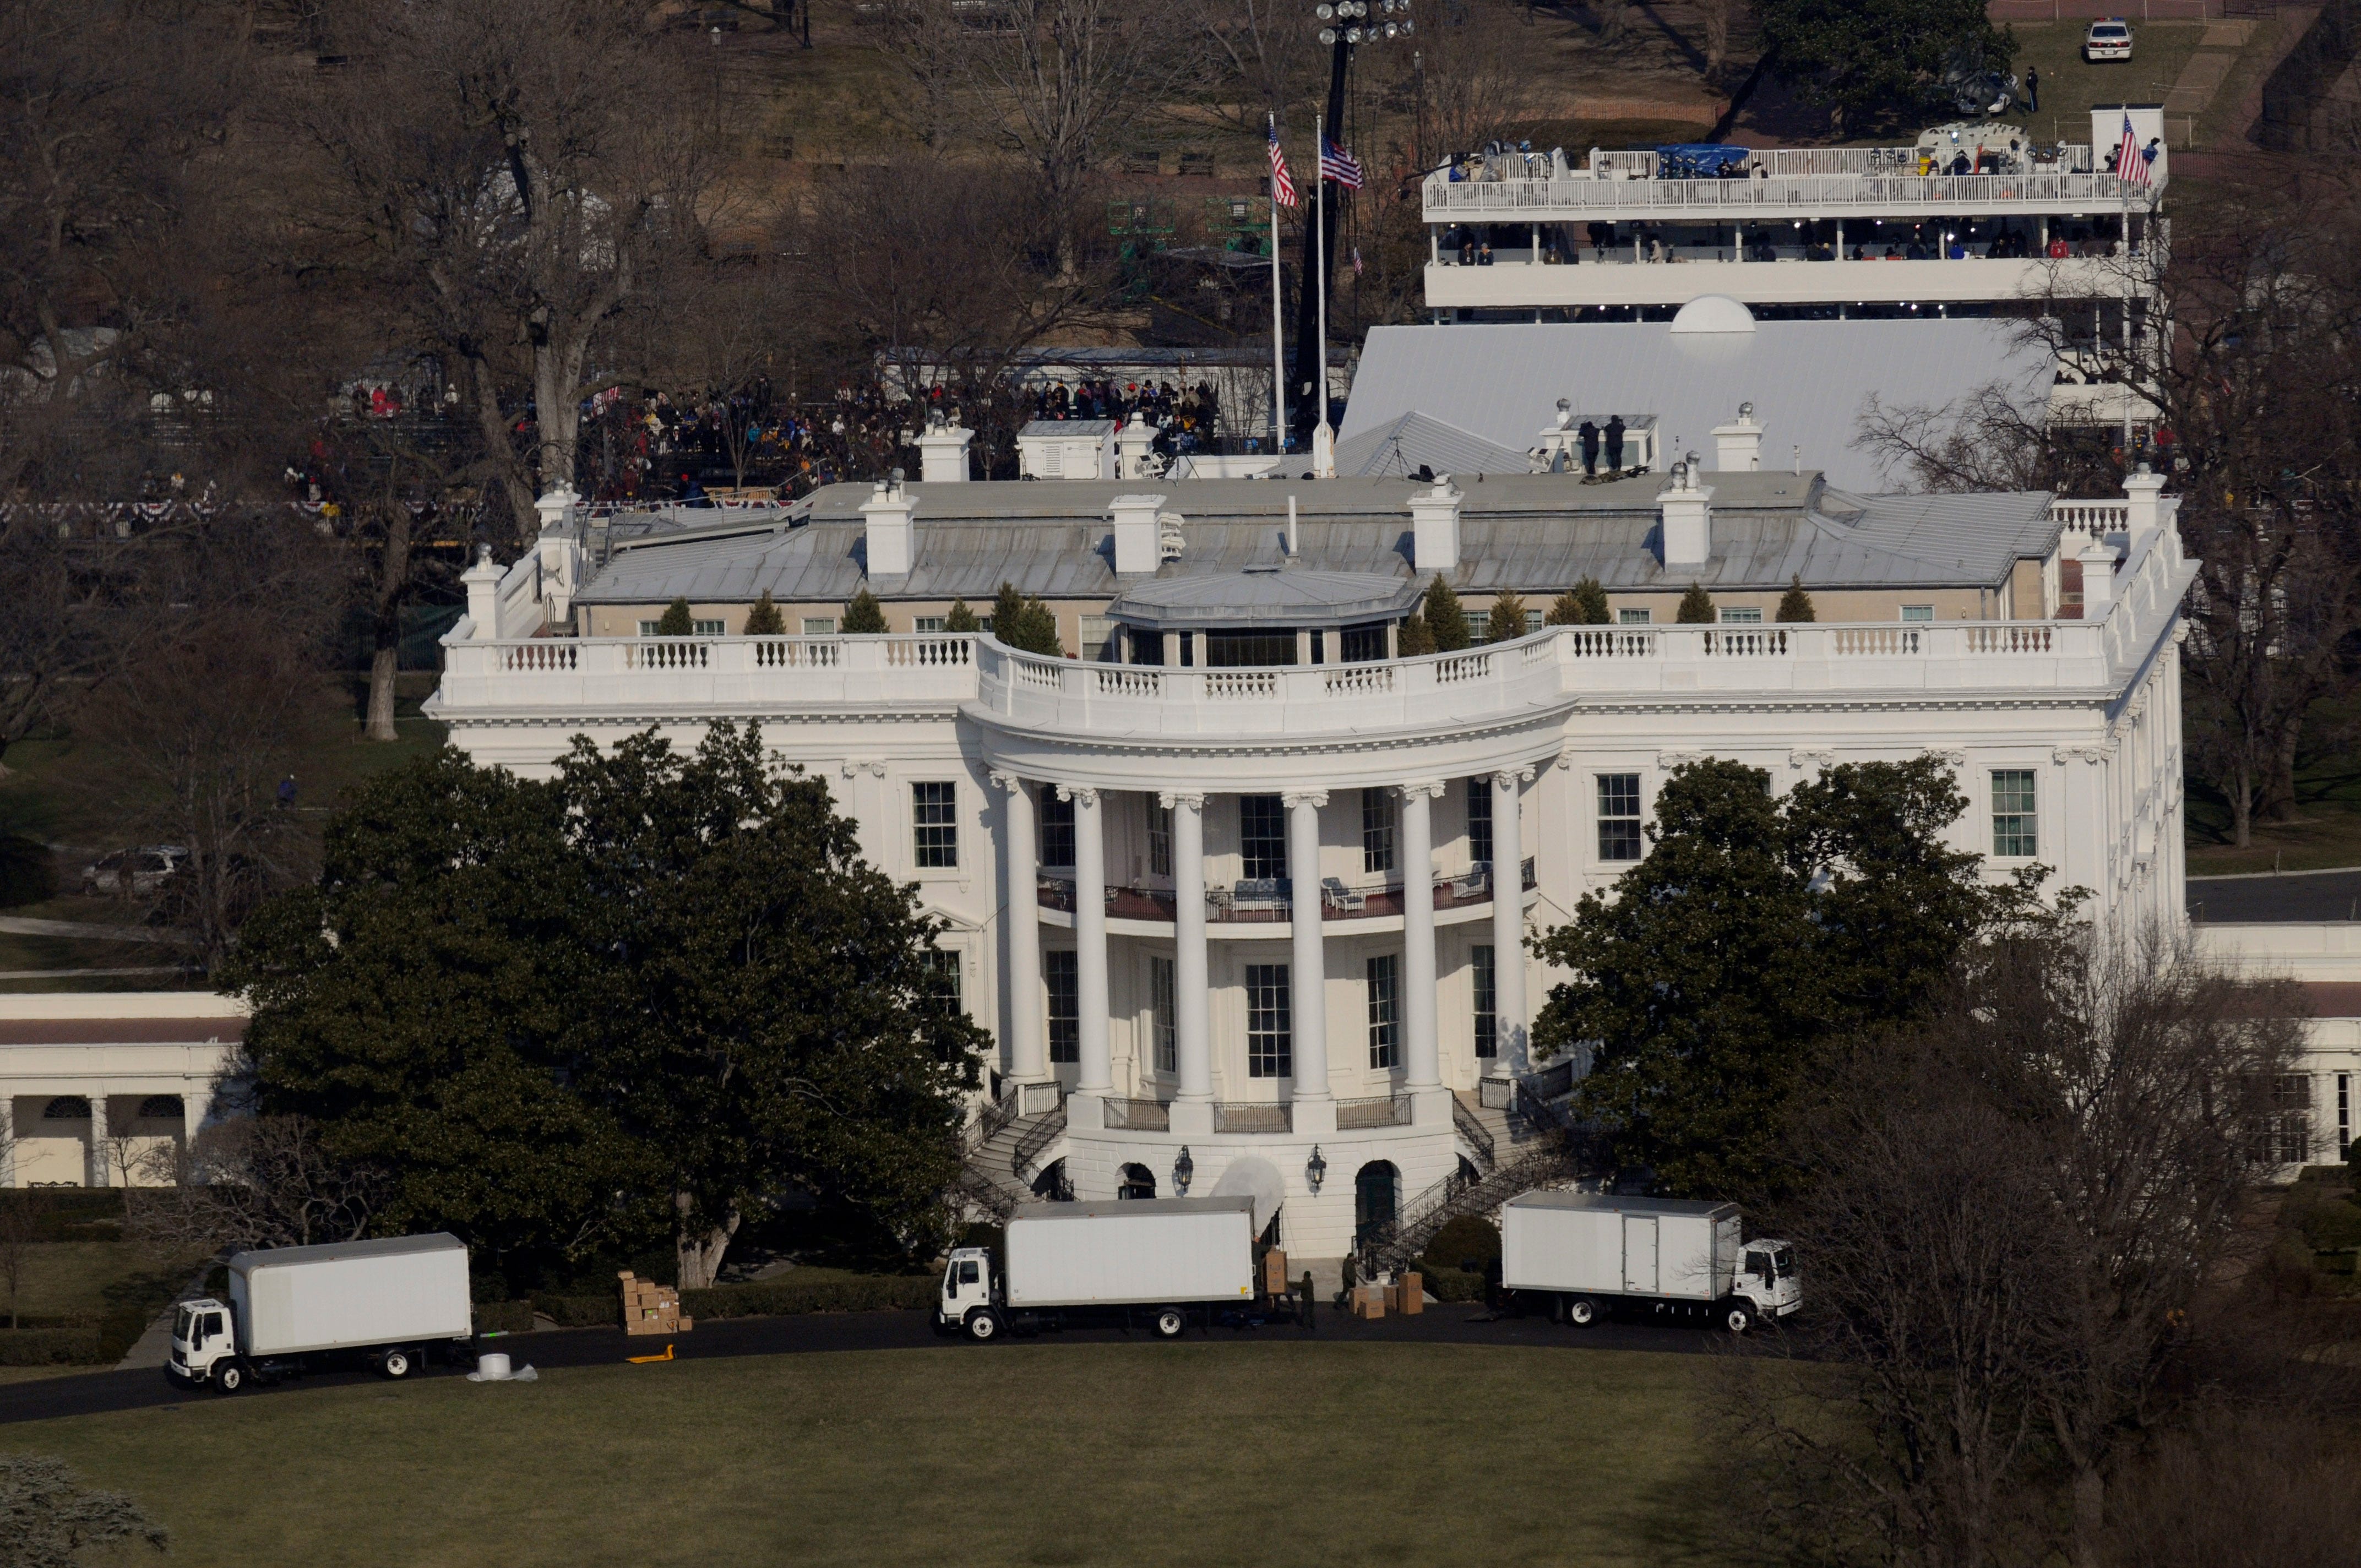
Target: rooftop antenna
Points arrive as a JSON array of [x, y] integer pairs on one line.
[[1799, 458], [1292, 542]]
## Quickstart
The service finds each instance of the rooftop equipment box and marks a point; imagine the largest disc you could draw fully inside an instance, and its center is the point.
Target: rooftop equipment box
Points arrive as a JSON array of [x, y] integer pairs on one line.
[[297, 1299], [1142, 1252], [1681, 1249]]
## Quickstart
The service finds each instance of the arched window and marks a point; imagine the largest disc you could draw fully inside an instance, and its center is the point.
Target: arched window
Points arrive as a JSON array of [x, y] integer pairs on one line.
[[1138, 1182], [1377, 1201], [67, 1108], [161, 1107]]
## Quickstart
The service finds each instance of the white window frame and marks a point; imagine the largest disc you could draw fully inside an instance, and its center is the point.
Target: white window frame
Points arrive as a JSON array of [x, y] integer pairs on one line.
[[1629, 616]]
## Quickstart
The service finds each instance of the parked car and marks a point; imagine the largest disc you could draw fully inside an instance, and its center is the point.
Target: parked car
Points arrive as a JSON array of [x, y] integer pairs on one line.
[[134, 871], [2109, 39]]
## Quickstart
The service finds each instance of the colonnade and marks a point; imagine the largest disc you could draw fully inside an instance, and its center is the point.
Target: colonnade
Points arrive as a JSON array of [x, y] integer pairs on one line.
[[1314, 1099]]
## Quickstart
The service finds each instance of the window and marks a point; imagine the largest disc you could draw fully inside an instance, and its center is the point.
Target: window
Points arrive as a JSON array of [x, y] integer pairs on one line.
[[934, 809], [2284, 1136], [1065, 1005], [1160, 987], [1159, 840], [1917, 612], [2344, 1113], [1057, 830], [924, 624], [1534, 621], [652, 629], [1095, 633], [1361, 644], [1734, 615], [161, 1107], [1270, 1043], [1262, 837], [1480, 627], [942, 978], [1479, 821], [2013, 812], [1619, 817], [1384, 1012], [1249, 649], [702, 628], [1380, 822], [1632, 616], [820, 626], [67, 1108], [1487, 1019]]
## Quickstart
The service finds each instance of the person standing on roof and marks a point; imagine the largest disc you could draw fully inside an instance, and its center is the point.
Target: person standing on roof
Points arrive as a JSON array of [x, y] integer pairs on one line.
[[2033, 91], [1615, 443], [1589, 434]]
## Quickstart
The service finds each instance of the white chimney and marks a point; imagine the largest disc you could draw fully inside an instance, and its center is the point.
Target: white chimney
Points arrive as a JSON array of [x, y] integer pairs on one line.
[[483, 580], [2098, 558], [1133, 444], [1738, 449], [942, 452], [888, 510], [1138, 544], [2143, 492], [1434, 527], [1687, 511]]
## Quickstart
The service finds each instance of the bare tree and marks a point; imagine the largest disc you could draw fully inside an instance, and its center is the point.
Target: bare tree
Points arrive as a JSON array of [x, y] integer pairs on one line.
[[1269, 57], [23, 1223], [258, 1181], [926, 38], [1476, 79], [1069, 82]]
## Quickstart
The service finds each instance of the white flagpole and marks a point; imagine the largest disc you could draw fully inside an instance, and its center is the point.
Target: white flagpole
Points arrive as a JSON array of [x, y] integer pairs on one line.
[[1277, 342], [1323, 437]]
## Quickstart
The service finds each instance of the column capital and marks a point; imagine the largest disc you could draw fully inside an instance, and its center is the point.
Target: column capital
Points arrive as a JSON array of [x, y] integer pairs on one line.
[[1427, 789], [1007, 781], [1811, 759], [1168, 799], [1510, 778], [1295, 797], [2079, 754], [1081, 794]]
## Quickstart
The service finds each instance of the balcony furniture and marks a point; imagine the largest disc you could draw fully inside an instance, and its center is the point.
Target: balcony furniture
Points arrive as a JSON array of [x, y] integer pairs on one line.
[[1343, 899]]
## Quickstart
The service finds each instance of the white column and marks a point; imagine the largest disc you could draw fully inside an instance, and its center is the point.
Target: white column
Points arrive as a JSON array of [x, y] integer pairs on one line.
[[99, 1174], [1097, 1074], [1192, 1042], [1421, 1058], [1507, 925], [1028, 1055], [1314, 1108]]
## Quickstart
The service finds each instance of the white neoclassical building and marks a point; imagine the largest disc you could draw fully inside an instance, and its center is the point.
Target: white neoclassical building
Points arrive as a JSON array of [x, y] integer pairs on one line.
[[1242, 895], [90, 1083]]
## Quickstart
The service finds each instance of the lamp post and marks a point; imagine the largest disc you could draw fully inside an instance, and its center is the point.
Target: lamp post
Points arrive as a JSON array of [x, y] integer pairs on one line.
[[1184, 1170], [1315, 1170], [1344, 24]]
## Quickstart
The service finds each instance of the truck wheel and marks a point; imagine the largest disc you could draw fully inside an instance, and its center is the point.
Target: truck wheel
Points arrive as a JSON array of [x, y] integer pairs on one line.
[[1738, 1316], [981, 1325], [1170, 1322], [394, 1363], [229, 1378], [1582, 1311]]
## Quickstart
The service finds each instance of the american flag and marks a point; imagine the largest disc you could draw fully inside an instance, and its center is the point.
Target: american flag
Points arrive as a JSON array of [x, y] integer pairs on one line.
[[1338, 164], [1282, 189], [2129, 164], [1356, 261]]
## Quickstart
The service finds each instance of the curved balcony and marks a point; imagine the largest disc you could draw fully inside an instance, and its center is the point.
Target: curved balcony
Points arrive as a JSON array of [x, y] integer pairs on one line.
[[1891, 192]]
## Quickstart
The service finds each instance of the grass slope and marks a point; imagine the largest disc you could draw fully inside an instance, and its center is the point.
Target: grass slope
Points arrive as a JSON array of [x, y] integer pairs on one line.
[[1296, 1452]]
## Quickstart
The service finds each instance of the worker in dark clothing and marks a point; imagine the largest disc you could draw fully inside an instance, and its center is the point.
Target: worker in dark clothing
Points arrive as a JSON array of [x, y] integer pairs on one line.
[[1615, 443], [1589, 434], [1311, 1306], [2033, 90]]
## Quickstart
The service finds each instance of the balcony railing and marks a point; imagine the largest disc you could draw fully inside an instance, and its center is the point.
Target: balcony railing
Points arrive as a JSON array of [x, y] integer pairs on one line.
[[1137, 1115], [1267, 901], [1786, 195], [1375, 1111], [1252, 1116]]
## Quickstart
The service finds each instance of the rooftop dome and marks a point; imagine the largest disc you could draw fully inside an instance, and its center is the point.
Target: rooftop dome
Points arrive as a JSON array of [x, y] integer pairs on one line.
[[1714, 312]]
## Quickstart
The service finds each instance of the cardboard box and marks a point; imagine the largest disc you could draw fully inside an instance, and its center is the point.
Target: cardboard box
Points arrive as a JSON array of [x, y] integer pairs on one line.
[[1274, 1273], [1369, 1303], [1412, 1296]]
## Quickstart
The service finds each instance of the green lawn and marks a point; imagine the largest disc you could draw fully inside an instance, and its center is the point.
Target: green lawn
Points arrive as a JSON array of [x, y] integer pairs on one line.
[[2070, 85], [65, 1280], [1287, 1452]]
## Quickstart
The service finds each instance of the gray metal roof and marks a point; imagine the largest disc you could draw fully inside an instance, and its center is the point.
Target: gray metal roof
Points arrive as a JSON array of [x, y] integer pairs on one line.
[[1266, 598], [1533, 532], [1809, 380], [1402, 446], [1132, 1208]]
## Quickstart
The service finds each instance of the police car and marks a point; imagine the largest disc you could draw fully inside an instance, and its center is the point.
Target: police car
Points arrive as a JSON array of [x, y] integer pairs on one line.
[[2109, 39]]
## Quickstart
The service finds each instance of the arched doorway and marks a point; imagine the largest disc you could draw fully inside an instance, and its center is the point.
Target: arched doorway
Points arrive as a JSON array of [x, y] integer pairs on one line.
[[1138, 1182], [1052, 1186], [1377, 1201]]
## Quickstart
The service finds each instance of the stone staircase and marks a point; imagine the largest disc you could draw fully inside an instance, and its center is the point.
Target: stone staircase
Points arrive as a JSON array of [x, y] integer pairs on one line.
[[1505, 1149], [1007, 1148]]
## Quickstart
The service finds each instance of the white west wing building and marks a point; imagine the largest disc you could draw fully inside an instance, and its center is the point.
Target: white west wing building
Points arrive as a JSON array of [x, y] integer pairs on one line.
[[1241, 895]]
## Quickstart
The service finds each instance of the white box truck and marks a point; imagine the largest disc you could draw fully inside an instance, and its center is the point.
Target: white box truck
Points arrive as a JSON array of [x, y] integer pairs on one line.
[[1583, 1254], [1160, 1260], [383, 1303]]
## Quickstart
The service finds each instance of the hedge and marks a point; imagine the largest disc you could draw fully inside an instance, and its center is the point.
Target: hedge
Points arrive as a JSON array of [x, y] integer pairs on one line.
[[52, 1347], [504, 1317], [1454, 1285], [777, 1297]]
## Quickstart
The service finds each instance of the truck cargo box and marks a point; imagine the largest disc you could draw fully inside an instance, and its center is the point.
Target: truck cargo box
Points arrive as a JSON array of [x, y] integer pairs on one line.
[[292, 1300], [1670, 1248], [1142, 1252]]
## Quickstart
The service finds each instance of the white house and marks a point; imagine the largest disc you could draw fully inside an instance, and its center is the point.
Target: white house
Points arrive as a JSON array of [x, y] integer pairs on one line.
[[1241, 895], [79, 1071]]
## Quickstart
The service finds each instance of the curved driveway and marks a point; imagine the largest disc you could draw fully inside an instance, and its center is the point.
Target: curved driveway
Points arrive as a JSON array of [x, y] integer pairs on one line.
[[1442, 1324]]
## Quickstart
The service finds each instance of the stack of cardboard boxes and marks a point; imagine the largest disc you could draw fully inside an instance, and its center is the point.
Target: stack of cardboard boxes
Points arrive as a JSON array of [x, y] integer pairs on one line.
[[1406, 1296], [652, 1309]]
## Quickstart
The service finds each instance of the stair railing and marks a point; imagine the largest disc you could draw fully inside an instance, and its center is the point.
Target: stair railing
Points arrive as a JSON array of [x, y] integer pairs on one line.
[[1479, 1136]]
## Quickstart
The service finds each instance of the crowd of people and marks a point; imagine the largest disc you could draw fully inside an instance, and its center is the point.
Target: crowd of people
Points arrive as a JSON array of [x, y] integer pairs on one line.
[[1196, 410]]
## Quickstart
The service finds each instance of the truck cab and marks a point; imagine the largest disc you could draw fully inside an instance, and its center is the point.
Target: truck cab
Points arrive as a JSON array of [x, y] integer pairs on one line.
[[966, 1305], [205, 1334], [1766, 1277]]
